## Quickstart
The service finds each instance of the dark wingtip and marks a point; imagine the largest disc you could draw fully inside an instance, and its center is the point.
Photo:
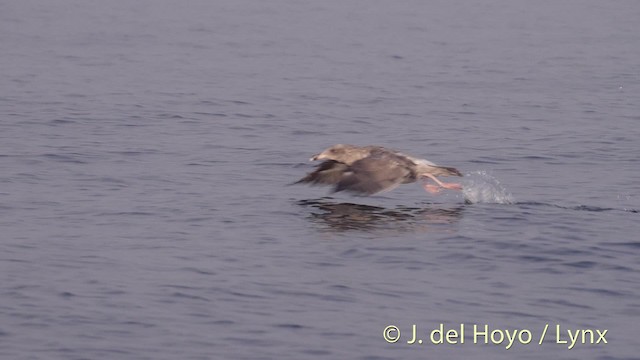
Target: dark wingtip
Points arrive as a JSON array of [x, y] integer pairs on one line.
[[453, 171], [339, 187], [304, 180]]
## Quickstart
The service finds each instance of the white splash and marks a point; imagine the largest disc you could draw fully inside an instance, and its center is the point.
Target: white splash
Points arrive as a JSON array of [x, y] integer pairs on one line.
[[480, 187], [628, 202]]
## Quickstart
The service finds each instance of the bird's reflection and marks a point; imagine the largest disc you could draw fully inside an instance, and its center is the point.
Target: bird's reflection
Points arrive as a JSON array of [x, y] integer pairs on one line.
[[340, 216]]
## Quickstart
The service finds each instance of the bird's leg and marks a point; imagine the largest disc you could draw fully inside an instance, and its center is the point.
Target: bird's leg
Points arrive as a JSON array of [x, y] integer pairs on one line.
[[450, 186], [433, 189], [430, 188]]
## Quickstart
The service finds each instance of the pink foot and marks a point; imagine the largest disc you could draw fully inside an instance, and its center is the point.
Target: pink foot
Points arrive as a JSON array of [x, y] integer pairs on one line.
[[452, 186], [433, 189]]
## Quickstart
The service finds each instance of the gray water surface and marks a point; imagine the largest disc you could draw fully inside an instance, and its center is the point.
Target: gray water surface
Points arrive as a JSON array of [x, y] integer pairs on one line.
[[146, 150]]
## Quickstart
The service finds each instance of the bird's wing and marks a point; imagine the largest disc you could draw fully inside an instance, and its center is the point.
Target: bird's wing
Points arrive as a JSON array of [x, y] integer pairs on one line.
[[329, 172], [382, 171]]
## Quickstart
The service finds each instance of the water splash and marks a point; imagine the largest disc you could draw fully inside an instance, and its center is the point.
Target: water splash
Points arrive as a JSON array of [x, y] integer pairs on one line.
[[628, 202], [481, 187]]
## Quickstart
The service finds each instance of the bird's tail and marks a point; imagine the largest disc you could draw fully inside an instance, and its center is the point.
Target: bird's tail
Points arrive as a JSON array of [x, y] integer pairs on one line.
[[446, 171]]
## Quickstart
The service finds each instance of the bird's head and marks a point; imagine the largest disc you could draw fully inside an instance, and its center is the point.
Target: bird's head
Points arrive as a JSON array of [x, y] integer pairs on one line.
[[336, 152]]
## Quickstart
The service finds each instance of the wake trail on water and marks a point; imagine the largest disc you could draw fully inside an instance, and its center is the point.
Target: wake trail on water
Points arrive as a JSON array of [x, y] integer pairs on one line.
[[481, 187]]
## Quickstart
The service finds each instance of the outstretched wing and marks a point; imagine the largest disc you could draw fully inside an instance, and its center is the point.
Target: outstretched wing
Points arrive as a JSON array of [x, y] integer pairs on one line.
[[329, 172]]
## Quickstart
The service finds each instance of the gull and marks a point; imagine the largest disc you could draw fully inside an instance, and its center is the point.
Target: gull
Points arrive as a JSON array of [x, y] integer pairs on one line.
[[367, 170]]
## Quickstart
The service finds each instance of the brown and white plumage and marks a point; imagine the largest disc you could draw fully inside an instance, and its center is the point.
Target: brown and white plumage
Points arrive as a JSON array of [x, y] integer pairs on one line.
[[368, 170]]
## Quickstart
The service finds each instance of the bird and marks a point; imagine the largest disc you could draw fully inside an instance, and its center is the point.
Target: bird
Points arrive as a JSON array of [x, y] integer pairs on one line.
[[371, 169]]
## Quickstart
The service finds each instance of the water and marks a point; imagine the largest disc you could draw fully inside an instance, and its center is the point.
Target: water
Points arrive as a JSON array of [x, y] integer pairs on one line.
[[146, 149]]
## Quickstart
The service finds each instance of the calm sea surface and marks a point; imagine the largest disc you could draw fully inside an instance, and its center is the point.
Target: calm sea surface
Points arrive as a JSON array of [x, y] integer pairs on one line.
[[146, 149]]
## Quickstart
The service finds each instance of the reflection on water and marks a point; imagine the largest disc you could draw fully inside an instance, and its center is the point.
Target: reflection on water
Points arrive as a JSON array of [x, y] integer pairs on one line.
[[341, 216], [348, 216]]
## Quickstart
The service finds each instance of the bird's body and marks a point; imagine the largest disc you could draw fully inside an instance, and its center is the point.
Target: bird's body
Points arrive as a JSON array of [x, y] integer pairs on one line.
[[367, 170]]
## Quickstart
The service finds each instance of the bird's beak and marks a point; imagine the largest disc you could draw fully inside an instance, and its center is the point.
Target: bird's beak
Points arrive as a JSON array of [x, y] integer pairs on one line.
[[320, 156]]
